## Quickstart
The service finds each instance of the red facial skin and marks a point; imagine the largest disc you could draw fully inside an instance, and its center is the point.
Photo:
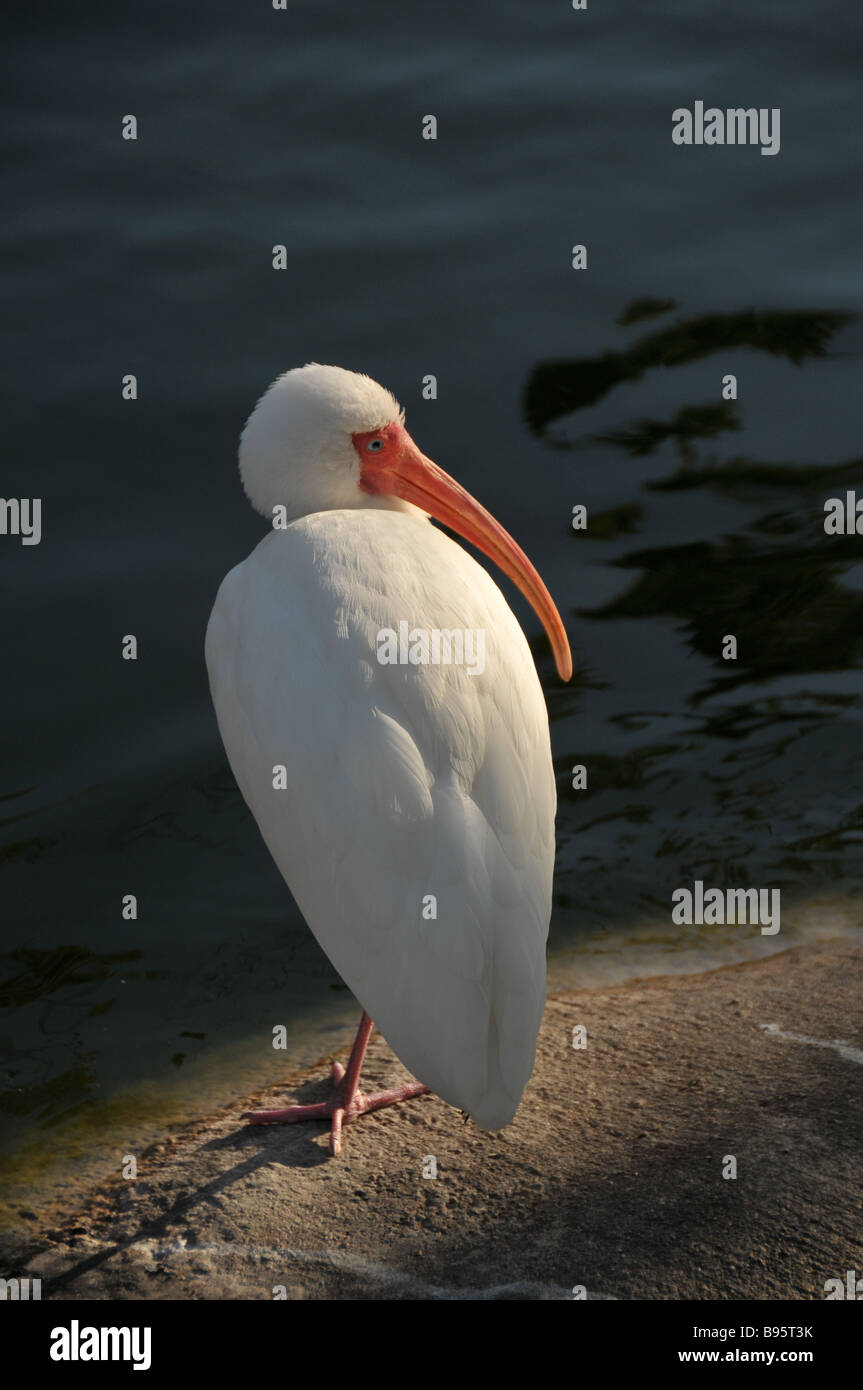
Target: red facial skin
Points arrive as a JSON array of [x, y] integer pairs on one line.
[[391, 463]]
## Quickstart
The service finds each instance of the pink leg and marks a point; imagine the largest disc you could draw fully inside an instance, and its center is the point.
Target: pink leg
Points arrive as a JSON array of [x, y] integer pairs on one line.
[[347, 1101]]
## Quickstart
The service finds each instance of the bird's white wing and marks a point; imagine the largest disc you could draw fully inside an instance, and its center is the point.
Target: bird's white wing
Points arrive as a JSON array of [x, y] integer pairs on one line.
[[416, 827]]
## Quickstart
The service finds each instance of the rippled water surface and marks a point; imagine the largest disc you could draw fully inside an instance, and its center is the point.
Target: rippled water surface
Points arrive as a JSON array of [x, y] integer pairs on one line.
[[556, 388]]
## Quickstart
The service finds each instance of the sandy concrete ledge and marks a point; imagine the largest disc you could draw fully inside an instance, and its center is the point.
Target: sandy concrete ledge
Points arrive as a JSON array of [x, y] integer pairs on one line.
[[610, 1177]]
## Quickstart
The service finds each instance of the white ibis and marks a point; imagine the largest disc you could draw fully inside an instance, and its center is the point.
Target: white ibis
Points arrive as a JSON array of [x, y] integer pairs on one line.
[[405, 792]]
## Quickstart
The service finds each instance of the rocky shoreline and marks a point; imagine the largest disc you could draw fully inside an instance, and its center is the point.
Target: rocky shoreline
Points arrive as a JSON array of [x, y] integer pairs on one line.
[[617, 1178]]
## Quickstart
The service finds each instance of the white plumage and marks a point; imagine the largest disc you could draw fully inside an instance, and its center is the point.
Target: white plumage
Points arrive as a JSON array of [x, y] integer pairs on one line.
[[403, 781]]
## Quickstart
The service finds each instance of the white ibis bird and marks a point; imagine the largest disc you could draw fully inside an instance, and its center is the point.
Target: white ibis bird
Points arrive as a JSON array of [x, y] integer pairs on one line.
[[405, 792]]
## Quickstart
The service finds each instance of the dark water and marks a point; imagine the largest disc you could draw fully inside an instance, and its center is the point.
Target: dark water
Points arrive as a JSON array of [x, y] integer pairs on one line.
[[556, 388]]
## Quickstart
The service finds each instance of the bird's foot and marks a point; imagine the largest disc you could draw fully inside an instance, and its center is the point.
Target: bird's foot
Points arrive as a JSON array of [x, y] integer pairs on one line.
[[341, 1108]]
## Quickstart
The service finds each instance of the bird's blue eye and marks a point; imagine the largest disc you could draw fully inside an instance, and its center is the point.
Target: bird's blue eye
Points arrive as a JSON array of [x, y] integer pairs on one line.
[[374, 445]]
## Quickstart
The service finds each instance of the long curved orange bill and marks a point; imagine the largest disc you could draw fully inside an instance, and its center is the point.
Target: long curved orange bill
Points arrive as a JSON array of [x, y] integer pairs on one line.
[[400, 469]]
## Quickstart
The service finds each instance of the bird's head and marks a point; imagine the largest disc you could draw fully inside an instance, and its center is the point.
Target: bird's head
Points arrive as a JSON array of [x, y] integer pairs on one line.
[[323, 438]]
